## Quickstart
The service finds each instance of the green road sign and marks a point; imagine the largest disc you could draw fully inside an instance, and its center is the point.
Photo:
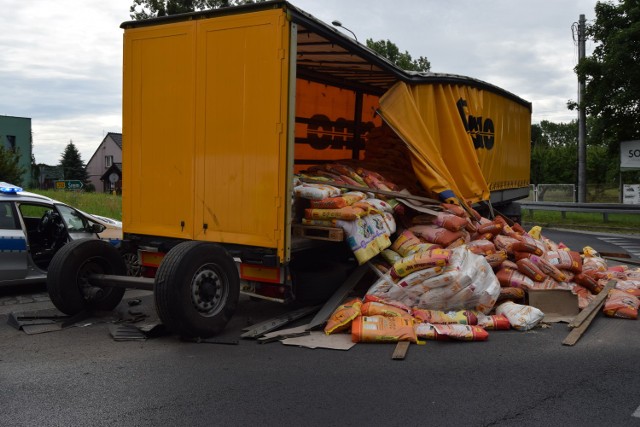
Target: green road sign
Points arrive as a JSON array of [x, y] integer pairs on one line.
[[70, 184]]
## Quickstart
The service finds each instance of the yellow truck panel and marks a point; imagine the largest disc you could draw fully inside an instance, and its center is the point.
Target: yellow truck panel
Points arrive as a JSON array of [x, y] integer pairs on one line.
[[158, 130], [240, 122], [204, 129], [222, 107]]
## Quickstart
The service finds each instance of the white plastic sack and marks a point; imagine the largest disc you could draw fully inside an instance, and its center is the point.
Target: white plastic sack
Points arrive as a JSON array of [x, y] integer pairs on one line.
[[468, 282], [521, 317]]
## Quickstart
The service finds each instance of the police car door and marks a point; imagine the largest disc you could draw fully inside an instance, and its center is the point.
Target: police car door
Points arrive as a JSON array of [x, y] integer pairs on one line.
[[13, 244]]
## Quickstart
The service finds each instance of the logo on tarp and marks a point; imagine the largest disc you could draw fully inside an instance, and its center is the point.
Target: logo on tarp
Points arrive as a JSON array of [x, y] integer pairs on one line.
[[480, 129], [323, 133]]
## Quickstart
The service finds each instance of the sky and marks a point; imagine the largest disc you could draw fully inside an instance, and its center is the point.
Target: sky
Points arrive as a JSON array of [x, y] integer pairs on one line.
[[61, 61]]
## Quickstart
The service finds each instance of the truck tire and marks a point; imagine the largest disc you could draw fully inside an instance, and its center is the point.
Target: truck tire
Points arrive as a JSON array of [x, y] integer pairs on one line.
[[68, 271], [196, 289]]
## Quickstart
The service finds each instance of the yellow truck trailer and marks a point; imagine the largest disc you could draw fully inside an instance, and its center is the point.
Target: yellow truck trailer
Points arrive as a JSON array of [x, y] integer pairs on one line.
[[221, 108]]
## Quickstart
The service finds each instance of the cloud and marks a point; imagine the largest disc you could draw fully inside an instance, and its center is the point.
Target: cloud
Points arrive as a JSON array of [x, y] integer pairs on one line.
[[61, 61]]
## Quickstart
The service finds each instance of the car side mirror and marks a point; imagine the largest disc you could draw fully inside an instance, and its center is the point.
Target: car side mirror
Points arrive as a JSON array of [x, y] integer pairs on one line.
[[97, 228]]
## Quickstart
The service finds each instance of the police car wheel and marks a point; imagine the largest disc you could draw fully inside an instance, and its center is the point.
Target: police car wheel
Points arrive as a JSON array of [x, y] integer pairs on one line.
[[67, 276]]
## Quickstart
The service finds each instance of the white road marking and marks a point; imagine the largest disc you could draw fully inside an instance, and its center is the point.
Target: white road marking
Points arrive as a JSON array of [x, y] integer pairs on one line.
[[625, 244], [636, 413]]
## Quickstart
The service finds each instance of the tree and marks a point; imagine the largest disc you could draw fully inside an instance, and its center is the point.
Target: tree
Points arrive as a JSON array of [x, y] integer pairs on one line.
[[145, 9], [10, 169], [612, 73], [72, 165], [553, 154], [403, 60]]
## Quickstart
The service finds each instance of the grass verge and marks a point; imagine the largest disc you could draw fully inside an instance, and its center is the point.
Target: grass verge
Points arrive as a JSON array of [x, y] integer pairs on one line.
[[616, 223], [104, 204]]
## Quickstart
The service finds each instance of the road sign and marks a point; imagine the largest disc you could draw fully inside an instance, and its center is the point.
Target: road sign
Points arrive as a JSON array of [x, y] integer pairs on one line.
[[70, 184]]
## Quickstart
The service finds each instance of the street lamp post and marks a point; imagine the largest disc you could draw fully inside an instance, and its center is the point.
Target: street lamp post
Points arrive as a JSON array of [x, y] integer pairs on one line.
[[339, 24]]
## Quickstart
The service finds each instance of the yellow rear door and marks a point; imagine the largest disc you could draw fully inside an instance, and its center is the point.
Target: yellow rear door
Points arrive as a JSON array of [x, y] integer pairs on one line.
[[158, 130], [242, 74]]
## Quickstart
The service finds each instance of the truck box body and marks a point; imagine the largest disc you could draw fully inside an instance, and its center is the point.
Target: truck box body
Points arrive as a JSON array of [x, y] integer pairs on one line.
[[221, 108]]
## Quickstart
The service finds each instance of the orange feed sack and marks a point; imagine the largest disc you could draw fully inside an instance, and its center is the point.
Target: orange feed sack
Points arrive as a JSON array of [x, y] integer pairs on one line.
[[382, 329], [434, 234], [343, 316], [515, 279], [529, 269], [588, 282], [420, 261], [374, 308], [621, 304], [565, 260]]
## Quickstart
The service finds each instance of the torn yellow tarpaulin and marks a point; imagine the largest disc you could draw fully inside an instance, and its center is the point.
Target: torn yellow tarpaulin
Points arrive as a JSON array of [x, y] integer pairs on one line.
[[462, 139]]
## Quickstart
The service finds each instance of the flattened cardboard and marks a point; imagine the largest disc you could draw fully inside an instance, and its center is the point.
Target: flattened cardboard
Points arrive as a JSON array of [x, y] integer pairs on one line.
[[558, 305], [318, 339]]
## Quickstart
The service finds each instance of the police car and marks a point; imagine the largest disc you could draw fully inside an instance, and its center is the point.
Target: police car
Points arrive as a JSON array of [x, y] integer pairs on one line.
[[34, 227]]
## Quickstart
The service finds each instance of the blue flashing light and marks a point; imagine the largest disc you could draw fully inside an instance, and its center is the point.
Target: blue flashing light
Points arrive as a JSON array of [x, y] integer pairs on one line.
[[9, 188]]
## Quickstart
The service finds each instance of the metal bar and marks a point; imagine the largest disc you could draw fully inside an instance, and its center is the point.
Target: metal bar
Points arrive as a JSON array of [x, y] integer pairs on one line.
[[338, 297], [115, 281], [273, 324], [395, 194]]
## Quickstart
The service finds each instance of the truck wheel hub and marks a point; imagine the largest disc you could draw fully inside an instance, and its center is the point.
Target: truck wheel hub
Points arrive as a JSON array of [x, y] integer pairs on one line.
[[206, 291]]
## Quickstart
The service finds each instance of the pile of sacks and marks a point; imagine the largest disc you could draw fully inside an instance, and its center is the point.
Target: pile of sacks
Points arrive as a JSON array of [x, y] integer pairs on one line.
[[368, 221], [466, 272]]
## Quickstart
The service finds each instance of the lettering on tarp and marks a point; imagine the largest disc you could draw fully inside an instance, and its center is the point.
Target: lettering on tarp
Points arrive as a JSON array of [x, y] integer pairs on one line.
[[482, 131], [323, 133]]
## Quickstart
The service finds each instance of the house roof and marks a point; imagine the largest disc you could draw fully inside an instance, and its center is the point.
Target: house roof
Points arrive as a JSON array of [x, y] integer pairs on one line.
[[115, 137]]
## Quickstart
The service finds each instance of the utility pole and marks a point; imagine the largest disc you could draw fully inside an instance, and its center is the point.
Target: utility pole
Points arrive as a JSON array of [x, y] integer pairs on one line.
[[582, 119]]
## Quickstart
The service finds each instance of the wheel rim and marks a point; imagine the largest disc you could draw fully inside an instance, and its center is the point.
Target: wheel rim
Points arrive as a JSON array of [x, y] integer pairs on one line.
[[133, 264], [208, 290], [89, 267]]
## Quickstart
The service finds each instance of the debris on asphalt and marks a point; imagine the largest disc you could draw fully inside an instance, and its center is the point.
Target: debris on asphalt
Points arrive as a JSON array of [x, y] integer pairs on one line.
[[124, 332], [447, 258]]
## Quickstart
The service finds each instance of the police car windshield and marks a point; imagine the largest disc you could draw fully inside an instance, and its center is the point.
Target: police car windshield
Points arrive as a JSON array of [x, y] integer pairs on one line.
[[73, 219]]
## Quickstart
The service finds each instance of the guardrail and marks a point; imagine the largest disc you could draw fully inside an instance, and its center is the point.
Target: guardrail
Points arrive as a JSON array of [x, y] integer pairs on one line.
[[563, 207]]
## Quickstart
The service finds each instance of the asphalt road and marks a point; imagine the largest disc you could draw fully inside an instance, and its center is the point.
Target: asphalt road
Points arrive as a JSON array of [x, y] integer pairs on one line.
[[80, 376]]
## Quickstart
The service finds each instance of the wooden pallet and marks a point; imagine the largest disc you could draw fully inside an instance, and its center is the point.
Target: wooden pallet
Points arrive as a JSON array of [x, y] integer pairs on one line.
[[317, 232]]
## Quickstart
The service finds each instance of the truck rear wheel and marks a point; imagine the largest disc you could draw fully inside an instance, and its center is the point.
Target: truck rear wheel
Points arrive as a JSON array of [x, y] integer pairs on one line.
[[196, 289], [67, 276]]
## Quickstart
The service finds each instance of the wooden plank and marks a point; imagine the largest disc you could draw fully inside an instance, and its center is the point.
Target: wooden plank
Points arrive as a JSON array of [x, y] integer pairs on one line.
[[594, 305], [632, 261], [586, 316], [317, 232], [577, 333], [337, 298], [401, 350], [614, 254]]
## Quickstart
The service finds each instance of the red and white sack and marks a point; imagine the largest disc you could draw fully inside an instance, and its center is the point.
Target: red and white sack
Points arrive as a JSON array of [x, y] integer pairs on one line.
[[458, 332], [621, 304]]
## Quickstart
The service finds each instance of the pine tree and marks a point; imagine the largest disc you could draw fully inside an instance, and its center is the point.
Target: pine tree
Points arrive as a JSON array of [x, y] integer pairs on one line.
[[72, 165]]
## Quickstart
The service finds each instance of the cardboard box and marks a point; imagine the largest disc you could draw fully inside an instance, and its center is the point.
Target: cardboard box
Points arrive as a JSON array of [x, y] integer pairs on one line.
[[558, 305]]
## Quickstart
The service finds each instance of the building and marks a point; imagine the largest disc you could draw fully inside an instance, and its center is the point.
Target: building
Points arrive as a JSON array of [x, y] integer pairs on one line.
[[15, 135], [104, 168]]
